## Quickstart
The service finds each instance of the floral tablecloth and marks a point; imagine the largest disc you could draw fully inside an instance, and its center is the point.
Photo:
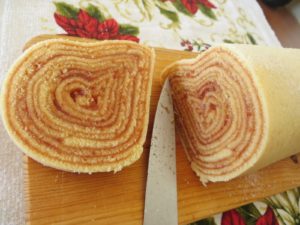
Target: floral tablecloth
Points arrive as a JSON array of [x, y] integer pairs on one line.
[[283, 209], [189, 25]]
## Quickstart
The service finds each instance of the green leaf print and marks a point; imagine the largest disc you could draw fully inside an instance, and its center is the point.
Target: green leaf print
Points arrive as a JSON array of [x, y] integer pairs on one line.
[[251, 39], [180, 7], [228, 41], [207, 11], [66, 10], [250, 213], [246, 38], [95, 12], [145, 7], [169, 14], [208, 221], [128, 29]]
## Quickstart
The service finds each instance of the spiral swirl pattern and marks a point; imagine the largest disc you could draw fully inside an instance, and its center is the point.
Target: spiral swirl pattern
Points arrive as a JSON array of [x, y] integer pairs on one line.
[[219, 113], [80, 106]]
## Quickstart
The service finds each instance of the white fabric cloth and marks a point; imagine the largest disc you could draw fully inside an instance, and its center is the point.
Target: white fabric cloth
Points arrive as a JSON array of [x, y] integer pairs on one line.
[[21, 20]]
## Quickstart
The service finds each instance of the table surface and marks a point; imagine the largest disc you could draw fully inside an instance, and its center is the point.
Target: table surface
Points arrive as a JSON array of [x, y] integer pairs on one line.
[[284, 24], [57, 197]]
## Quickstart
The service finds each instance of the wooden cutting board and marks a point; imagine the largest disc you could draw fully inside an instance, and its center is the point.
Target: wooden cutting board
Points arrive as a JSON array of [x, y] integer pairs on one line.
[[57, 197]]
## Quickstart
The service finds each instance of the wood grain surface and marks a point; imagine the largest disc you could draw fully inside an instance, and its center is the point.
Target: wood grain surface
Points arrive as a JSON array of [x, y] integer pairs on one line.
[[57, 197]]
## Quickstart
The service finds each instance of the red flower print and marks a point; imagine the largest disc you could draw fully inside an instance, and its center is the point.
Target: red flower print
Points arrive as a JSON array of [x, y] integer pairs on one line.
[[232, 217], [80, 23], [190, 48], [109, 29], [207, 4], [84, 26], [64, 23], [187, 44], [128, 37], [190, 5], [268, 218], [86, 22]]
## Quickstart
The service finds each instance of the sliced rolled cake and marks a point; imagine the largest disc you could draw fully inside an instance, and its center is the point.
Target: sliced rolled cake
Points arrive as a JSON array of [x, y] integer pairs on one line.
[[237, 108], [80, 106]]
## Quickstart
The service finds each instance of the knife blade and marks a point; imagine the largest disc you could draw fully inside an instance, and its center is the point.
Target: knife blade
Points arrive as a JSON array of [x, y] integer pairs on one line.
[[161, 188]]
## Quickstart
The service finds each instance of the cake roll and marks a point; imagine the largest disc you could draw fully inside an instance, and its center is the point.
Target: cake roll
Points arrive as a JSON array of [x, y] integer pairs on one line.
[[237, 108], [80, 106]]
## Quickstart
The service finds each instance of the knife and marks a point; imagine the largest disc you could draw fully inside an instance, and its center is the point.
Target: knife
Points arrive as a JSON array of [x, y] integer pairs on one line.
[[161, 188]]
